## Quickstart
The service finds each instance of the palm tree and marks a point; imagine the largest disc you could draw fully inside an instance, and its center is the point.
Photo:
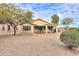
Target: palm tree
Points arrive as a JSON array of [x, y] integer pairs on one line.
[[55, 20]]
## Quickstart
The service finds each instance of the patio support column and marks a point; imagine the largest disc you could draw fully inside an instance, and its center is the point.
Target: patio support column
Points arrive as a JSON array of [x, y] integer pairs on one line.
[[32, 28], [46, 29], [52, 28]]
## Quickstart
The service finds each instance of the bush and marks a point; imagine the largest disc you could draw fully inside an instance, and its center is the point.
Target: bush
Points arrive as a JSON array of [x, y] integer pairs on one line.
[[70, 38]]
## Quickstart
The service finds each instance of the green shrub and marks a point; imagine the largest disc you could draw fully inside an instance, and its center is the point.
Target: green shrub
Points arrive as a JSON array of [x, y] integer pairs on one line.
[[70, 38]]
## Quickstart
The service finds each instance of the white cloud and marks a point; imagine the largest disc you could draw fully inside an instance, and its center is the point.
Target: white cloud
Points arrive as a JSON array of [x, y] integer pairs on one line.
[[46, 10]]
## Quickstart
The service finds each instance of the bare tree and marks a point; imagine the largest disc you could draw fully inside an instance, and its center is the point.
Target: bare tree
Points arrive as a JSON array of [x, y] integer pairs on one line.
[[67, 21]]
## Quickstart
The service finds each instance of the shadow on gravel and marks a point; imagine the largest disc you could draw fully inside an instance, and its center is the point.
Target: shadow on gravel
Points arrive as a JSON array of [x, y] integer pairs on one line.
[[9, 35], [6, 36]]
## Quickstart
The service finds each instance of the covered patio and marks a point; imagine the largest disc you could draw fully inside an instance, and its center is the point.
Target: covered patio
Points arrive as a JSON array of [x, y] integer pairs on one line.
[[43, 29]]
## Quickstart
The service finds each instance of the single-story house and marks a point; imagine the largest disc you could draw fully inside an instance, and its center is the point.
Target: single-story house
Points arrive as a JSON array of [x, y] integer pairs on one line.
[[39, 26]]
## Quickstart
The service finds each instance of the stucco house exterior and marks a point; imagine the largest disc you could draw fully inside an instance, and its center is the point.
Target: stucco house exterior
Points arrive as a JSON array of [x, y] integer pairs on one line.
[[39, 26], [35, 26]]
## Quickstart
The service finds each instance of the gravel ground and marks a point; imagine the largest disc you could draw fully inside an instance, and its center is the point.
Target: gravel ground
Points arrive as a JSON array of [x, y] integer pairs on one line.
[[27, 44]]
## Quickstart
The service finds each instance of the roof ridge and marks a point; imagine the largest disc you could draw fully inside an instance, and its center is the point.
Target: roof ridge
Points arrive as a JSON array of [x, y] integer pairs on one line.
[[40, 19]]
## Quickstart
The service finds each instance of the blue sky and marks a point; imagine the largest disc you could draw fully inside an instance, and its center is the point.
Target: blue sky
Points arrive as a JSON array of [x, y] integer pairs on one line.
[[46, 10]]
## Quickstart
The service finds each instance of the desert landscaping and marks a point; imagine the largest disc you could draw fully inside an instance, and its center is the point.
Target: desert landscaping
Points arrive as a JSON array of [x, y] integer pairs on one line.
[[27, 44], [39, 31]]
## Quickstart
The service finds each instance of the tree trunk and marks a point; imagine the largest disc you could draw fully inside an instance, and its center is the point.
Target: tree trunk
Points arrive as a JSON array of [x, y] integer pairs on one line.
[[8, 27], [70, 47], [56, 29], [14, 30]]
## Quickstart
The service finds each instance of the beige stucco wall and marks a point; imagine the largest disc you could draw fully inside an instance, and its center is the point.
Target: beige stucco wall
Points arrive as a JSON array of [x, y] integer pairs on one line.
[[39, 22]]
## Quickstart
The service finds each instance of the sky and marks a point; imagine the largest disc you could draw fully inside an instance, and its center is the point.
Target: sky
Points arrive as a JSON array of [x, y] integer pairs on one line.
[[46, 10]]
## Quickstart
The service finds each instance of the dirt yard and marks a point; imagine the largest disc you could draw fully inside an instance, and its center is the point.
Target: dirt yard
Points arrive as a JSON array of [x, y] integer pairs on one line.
[[27, 44]]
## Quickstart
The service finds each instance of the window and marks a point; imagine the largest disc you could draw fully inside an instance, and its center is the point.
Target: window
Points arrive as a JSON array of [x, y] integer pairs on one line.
[[26, 27]]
